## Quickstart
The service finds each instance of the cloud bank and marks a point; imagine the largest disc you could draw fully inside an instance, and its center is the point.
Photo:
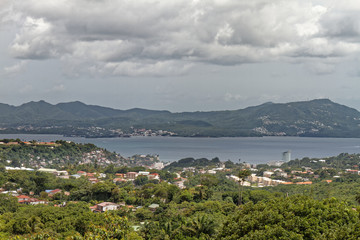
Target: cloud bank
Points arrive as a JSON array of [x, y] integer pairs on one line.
[[160, 38]]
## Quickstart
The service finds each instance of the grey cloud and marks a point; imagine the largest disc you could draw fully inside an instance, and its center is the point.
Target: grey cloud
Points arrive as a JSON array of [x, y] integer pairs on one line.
[[168, 37]]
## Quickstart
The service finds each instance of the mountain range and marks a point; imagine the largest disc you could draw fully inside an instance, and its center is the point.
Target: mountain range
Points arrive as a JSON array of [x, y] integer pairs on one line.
[[315, 118]]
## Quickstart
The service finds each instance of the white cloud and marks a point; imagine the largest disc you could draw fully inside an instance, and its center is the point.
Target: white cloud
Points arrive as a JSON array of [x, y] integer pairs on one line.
[[16, 68], [234, 97], [132, 38]]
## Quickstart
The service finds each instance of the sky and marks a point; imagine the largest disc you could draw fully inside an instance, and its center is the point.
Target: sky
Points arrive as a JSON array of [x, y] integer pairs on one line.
[[179, 55]]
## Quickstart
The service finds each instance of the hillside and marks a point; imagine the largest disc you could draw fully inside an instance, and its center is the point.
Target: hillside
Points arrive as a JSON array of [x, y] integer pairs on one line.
[[318, 118]]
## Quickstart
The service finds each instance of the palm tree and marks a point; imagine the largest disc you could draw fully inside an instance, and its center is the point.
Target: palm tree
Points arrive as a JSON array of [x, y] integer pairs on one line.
[[200, 225], [242, 175]]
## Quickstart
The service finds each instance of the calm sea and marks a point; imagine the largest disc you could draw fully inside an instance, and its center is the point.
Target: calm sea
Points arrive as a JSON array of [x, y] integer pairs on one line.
[[252, 150]]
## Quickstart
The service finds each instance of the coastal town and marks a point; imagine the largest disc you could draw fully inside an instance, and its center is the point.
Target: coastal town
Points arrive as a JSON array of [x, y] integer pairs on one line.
[[259, 176], [64, 178]]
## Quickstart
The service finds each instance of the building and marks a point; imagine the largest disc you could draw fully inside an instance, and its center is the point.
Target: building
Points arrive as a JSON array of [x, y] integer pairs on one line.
[[105, 206], [153, 176], [141, 173], [268, 174], [115, 180], [286, 156], [53, 192], [131, 175], [153, 207], [47, 170], [23, 199]]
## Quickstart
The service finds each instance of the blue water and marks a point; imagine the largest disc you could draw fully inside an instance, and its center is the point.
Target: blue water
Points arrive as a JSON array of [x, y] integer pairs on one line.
[[252, 150]]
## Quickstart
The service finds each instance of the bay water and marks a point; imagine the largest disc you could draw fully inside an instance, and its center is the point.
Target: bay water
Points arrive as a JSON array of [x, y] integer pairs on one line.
[[245, 149]]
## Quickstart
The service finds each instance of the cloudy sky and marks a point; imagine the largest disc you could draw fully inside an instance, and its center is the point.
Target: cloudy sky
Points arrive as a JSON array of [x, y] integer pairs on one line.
[[179, 55]]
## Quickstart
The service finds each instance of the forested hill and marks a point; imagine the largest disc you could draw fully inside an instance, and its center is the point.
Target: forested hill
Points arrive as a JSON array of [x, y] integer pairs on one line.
[[318, 118]]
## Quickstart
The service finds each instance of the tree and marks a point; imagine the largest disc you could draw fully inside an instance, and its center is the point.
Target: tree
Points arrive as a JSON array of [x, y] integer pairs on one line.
[[141, 180], [242, 175], [112, 227], [357, 198], [201, 225], [296, 217], [8, 203]]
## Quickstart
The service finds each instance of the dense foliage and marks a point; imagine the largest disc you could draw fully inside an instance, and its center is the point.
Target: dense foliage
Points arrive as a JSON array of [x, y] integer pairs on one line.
[[191, 162], [296, 217]]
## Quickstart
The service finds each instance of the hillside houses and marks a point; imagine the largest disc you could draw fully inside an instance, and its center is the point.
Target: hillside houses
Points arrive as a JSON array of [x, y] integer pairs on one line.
[[23, 199]]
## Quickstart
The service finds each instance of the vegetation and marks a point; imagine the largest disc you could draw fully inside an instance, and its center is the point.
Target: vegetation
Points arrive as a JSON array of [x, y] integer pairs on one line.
[[191, 162], [210, 206], [58, 154]]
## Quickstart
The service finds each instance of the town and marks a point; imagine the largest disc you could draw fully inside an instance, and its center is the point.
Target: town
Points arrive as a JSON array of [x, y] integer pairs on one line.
[[65, 178]]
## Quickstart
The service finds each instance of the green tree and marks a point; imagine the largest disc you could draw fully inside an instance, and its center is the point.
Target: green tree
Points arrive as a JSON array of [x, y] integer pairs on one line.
[[112, 227], [141, 180], [242, 175]]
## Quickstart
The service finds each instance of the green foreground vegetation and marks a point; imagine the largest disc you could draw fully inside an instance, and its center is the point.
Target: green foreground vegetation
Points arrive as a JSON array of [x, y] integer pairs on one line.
[[209, 206], [208, 211]]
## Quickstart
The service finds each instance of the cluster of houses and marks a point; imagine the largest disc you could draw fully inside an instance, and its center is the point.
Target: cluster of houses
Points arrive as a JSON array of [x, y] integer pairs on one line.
[[31, 143], [29, 200], [23, 199], [98, 156], [109, 206], [131, 176], [151, 133]]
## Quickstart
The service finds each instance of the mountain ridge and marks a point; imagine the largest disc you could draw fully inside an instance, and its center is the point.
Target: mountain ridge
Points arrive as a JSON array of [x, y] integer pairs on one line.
[[318, 117]]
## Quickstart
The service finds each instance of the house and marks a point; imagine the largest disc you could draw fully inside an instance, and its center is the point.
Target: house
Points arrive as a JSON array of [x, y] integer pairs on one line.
[[62, 173], [153, 207], [64, 176], [102, 175], [22, 198], [268, 174], [116, 180], [153, 176], [158, 165], [35, 201], [352, 171], [48, 170], [53, 192], [81, 173], [141, 173], [105, 206], [119, 175], [93, 180], [131, 175], [180, 184]]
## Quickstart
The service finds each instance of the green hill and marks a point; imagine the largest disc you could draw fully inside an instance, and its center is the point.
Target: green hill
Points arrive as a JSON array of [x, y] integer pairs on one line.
[[318, 118]]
